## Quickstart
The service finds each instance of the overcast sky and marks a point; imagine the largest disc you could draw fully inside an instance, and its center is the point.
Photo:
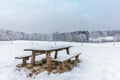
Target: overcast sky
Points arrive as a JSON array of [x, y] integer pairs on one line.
[[46, 16]]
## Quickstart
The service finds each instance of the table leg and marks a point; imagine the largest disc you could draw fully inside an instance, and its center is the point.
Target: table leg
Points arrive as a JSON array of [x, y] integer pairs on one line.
[[67, 50], [33, 58], [56, 52], [48, 61], [24, 61], [76, 58]]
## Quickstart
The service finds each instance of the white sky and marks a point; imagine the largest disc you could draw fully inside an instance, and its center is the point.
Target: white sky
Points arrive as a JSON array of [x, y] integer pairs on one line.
[[46, 16]]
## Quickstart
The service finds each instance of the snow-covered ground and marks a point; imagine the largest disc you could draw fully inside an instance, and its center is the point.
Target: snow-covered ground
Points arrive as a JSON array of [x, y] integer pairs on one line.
[[99, 61]]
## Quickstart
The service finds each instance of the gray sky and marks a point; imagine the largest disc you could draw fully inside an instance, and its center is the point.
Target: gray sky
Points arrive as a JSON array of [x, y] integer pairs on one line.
[[46, 16]]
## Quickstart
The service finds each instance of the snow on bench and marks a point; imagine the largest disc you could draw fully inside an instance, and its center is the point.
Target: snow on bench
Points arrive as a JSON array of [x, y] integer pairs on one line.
[[66, 58], [63, 61], [25, 58]]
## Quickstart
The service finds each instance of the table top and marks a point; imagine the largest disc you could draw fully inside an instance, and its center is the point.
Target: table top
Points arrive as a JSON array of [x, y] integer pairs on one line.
[[49, 48]]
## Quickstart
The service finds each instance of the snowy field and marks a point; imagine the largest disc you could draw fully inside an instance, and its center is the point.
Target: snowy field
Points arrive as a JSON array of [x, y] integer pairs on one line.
[[99, 61]]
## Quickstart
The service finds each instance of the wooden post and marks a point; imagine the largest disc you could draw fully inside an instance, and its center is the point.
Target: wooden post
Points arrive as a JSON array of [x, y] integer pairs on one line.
[[48, 61], [33, 58], [76, 58], [67, 50], [61, 67], [56, 52], [24, 61]]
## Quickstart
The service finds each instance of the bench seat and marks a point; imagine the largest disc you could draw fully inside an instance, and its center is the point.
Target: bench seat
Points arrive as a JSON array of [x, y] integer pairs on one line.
[[66, 58], [25, 58], [64, 61]]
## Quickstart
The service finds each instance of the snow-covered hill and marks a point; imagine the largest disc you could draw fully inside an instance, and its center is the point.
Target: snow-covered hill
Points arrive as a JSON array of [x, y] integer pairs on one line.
[[99, 61]]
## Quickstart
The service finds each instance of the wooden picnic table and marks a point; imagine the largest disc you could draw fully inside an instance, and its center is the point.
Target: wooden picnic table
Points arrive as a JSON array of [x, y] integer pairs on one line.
[[47, 51]]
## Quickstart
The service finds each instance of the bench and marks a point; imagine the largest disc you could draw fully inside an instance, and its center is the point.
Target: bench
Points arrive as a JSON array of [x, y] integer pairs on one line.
[[64, 61], [25, 58]]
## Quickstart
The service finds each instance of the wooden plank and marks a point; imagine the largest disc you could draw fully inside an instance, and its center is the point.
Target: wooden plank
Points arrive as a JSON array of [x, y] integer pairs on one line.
[[24, 61], [58, 49], [49, 49], [71, 57], [21, 57], [33, 58], [48, 61], [76, 58], [65, 59], [25, 56]]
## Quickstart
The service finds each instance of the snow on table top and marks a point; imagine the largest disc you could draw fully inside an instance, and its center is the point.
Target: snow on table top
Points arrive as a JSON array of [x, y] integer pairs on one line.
[[48, 48]]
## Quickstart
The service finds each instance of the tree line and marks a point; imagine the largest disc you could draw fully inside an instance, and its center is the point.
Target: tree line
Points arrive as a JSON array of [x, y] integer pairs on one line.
[[114, 34], [77, 36]]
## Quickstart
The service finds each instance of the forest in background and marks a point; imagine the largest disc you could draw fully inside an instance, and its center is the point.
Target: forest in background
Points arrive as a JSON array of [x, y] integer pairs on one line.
[[76, 36]]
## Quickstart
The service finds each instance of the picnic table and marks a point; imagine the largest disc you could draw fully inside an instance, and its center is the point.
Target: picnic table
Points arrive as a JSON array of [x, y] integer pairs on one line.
[[47, 52]]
